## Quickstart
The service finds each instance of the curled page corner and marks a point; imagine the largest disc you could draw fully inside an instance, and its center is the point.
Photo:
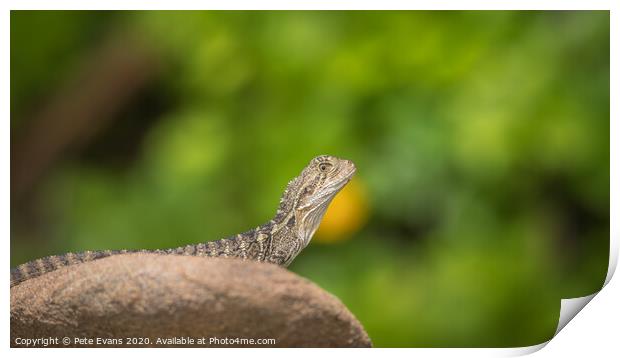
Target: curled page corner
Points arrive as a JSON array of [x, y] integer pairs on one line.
[[522, 351], [570, 307]]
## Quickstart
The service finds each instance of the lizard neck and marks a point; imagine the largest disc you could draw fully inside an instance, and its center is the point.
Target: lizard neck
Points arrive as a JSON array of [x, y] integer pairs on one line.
[[292, 230], [285, 241]]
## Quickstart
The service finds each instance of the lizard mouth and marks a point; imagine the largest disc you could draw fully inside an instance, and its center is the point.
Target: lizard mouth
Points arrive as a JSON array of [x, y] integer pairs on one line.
[[344, 178], [348, 171]]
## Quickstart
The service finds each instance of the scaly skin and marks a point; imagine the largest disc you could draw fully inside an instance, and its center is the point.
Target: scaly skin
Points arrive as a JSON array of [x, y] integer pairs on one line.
[[278, 241]]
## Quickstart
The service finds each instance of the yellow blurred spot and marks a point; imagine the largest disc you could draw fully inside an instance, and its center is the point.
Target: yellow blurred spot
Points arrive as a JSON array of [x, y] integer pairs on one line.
[[346, 214]]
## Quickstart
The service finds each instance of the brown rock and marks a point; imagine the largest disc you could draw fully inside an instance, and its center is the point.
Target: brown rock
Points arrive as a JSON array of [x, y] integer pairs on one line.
[[141, 298]]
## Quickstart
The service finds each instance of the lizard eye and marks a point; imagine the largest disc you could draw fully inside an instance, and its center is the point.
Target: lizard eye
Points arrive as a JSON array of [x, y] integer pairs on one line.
[[324, 167]]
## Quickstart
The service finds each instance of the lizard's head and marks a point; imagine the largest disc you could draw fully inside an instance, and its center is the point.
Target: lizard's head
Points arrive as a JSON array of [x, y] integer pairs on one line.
[[307, 197]]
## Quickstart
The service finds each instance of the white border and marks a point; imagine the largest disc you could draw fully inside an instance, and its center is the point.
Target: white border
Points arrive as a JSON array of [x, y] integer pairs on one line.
[[314, 5], [594, 330]]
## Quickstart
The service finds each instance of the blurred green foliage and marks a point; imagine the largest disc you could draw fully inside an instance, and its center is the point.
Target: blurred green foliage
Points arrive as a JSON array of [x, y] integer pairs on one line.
[[482, 138]]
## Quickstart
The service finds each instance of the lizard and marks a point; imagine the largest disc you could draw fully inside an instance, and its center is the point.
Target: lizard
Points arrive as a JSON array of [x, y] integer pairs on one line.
[[278, 241]]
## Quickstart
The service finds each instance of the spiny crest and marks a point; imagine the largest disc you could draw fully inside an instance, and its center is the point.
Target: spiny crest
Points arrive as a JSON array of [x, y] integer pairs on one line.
[[287, 200], [296, 185]]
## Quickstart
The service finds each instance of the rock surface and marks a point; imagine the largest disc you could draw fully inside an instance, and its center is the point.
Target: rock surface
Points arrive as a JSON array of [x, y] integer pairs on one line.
[[142, 297]]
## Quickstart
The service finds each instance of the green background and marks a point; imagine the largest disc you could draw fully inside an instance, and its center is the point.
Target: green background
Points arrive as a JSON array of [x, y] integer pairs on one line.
[[481, 141]]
